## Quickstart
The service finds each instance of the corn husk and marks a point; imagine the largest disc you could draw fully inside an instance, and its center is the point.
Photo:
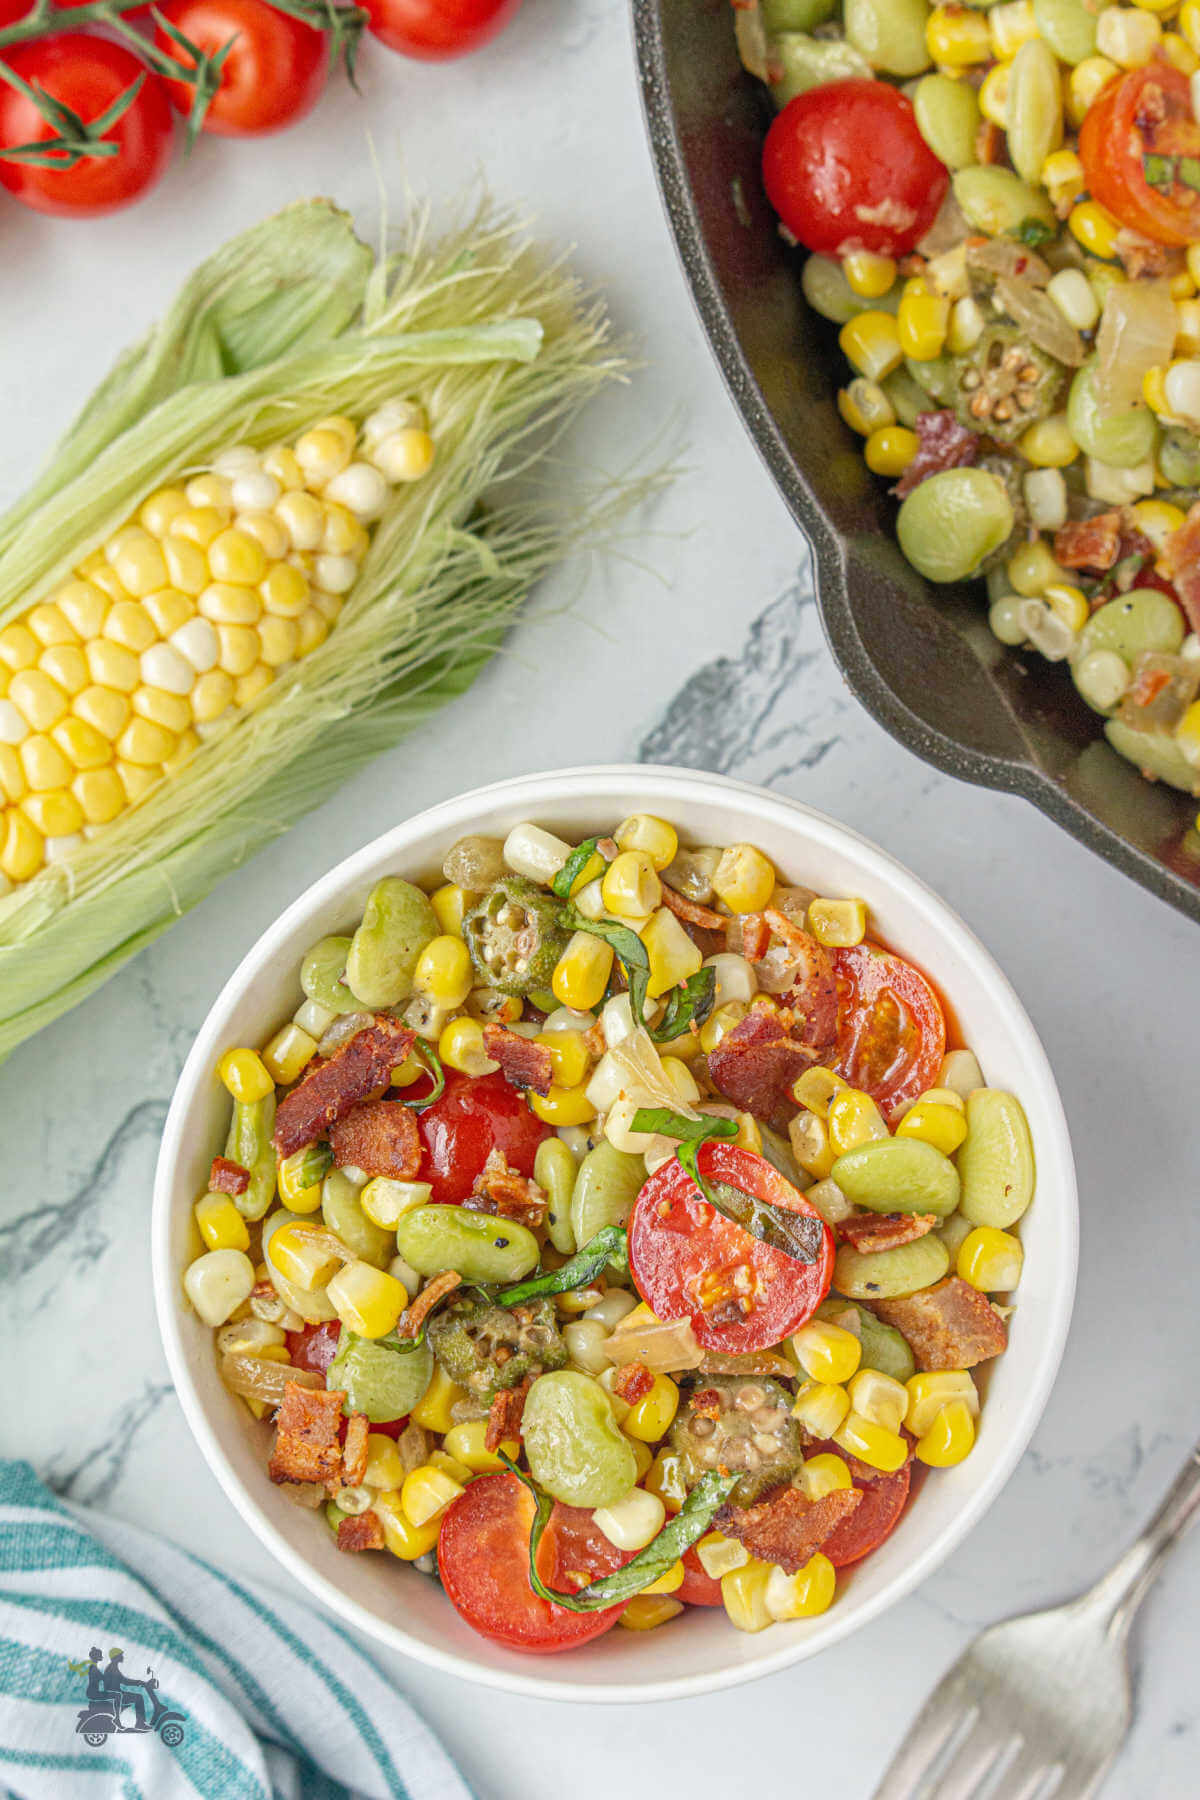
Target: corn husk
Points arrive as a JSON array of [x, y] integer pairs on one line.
[[292, 321]]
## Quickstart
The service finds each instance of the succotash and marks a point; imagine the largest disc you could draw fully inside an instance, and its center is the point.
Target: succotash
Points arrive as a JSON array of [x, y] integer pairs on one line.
[[612, 1229], [1003, 209], [182, 621]]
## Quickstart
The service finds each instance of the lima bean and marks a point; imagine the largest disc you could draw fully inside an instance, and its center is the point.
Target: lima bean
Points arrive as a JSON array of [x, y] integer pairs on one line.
[[313, 1307], [907, 396], [384, 1384], [886, 1274], [573, 1444], [1035, 108], [605, 1189], [554, 1168], [1142, 619], [808, 62], [397, 923], [1155, 754], [948, 118], [889, 33], [1120, 439], [322, 975], [953, 1232], [795, 15], [898, 1175], [342, 1211], [249, 1143], [1068, 26], [1179, 457], [883, 1347], [953, 522], [997, 202], [828, 292], [480, 1247], [995, 1159]]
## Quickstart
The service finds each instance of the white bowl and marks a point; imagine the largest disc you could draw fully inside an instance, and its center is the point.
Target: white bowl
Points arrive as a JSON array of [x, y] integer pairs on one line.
[[702, 1651]]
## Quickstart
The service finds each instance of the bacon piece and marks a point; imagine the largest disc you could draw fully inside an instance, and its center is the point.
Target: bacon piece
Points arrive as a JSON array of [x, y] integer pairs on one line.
[[501, 1191], [363, 1532], [868, 1232], [354, 1450], [942, 443], [813, 993], [307, 1446], [524, 1063], [691, 911], [1089, 543], [989, 143], [325, 1095], [418, 1310], [632, 1383], [1182, 555], [1141, 256], [786, 1528], [755, 1064], [594, 1041], [504, 1415], [756, 937], [380, 1137], [227, 1177], [948, 1326]]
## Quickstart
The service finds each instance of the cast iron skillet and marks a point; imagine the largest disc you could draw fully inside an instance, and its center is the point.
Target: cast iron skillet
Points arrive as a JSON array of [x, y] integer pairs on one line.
[[918, 656]]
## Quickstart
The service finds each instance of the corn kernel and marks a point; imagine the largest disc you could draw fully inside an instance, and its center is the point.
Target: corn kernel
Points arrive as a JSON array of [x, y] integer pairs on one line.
[[367, 1300], [54, 814], [631, 888], [652, 836], [744, 879], [651, 1417], [344, 534], [666, 1479], [66, 665], [145, 744], [853, 1119], [1048, 444], [44, 765], [673, 956], [563, 1106], [187, 565], [460, 1047], [426, 1494], [1063, 178], [809, 1138], [878, 1398], [244, 1076], [433, 1408], [1094, 227], [404, 455], [949, 1439], [942, 1126], [719, 1555], [220, 1223], [466, 1444], [288, 1054], [1158, 519], [211, 490], [100, 795], [21, 847], [157, 512], [450, 904], [826, 1352], [875, 1444], [170, 712], [83, 606], [197, 525], [646, 1612], [1011, 25], [140, 567], [865, 407], [41, 700], [299, 1179], [167, 609], [280, 462], [313, 631], [402, 1537], [889, 450], [443, 971], [582, 972], [1128, 36], [821, 1408], [136, 778], [805, 1594], [744, 1592], [568, 1056], [19, 649], [929, 1392], [869, 276], [82, 745], [50, 626], [922, 321], [870, 342], [719, 1023], [823, 1474], [109, 582], [13, 785], [991, 1260], [1085, 83], [816, 1088], [111, 665], [324, 451], [957, 39]]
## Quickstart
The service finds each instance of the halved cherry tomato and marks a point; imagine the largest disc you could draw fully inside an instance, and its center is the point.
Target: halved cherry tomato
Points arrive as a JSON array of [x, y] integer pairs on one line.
[[475, 1115], [274, 72], [697, 1588], [690, 1261], [1147, 113], [877, 1515], [315, 1346], [483, 1560], [891, 1028], [435, 30], [846, 168]]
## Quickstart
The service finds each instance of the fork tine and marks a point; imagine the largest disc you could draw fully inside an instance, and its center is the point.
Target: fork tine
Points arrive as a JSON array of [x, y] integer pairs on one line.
[[975, 1767], [942, 1723], [1035, 1777]]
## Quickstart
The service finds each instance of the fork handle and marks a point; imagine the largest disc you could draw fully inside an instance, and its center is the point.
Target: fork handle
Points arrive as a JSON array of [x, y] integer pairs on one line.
[[1117, 1595]]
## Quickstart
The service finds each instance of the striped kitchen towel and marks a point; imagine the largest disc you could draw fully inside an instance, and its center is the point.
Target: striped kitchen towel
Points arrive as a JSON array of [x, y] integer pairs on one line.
[[130, 1669]]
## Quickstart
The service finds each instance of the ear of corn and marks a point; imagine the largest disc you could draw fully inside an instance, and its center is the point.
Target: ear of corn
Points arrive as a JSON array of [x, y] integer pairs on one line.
[[477, 333]]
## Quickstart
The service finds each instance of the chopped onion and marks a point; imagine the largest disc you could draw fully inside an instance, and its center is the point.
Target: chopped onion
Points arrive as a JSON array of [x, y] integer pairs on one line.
[[755, 1362], [1038, 316], [996, 257], [662, 1345], [632, 1070], [259, 1379], [1136, 333]]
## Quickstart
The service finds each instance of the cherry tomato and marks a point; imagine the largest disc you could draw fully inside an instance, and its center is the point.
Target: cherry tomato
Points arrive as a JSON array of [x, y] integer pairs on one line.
[[845, 168], [435, 30], [891, 1028], [877, 1515], [689, 1261], [475, 1115], [697, 1588], [1147, 113], [88, 74], [273, 75], [483, 1560], [315, 1346]]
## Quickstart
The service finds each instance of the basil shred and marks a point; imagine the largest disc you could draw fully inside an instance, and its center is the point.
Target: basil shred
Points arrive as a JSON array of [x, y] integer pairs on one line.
[[562, 883], [428, 1055], [687, 1005], [661, 1553], [799, 1235], [609, 1246]]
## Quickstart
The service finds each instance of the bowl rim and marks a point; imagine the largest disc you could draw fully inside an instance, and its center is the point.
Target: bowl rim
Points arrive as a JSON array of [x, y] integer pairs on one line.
[[542, 791]]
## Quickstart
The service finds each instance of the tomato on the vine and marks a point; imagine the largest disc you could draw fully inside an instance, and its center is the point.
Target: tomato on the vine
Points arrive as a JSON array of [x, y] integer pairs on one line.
[[273, 74], [435, 30], [88, 74], [1139, 143]]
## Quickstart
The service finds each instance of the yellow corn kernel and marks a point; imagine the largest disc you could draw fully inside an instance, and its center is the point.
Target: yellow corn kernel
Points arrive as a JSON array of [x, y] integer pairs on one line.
[[324, 451], [991, 1260], [196, 525], [949, 1439], [563, 1106], [307, 1255], [744, 1592], [100, 795], [157, 512], [50, 626], [443, 971], [460, 1047], [871, 1443], [278, 642], [167, 609], [40, 700], [385, 1201], [582, 972], [1187, 733], [568, 1056], [865, 407], [654, 836], [1158, 519], [720, 1023], [298, 1190], [210, 490], [280, 461], [650, 1419], [211, 696], [343, 534], [267, 532], [1189, 23], [668, 1581], [878, 1398], [433, 1408], [82, 745], [631, 888], [83, 606], [67, 665], [170, 711], [823, 1474], [385, 1465], [405, 455], [54, 814], [109, 582], [1181, 286], [804, 1595], [821, 1408], [220, 1223], [869, 276], [1187, 333], [1085, 83], [288, 1054], [44, 766], [303, 518], [871, 345], [1154, 391], [957, 39], [1069, 602], [427, 1492], [673, 957], [19, 649], [112, 665], [402, 1537], [146, 744], [646, 1612], [921, 324], [313, 631], [367, 1300], [187, 565], [235, 556], [682, 1080], [665, 1478], [719, 1555], [224, 603], [1010, 26], [889, 450], [816, 1088], [21, 848], [450, 904], [244, 1076], [744, 879], [136, 779], [809, 1137], [13, 785], [140, 567], [853, 1119], [826, 1352], [129, 624], [942, 1126], [1094, 227], [466, 1444], [1048, 444], [252, 686], [1063, 178], [928, 1393]]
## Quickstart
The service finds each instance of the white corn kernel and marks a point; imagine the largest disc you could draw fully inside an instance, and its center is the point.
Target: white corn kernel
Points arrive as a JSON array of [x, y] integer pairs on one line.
[[361, 488], [1119, 487], [197, 642], [13, 728], [336, 574], [537, 854], [235, 461], [632, 1522], [1182, 387], [392, 416], [163, 666], [217, 1283], [1072, 293], [1102, 678], [585, 1341], [735, 978], [57, 849], [254, 490], [1050, 636], [1046, 498], [960, 1072]]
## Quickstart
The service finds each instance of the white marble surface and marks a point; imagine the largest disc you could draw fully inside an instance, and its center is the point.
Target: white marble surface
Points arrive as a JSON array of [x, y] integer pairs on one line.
[[702, 646]]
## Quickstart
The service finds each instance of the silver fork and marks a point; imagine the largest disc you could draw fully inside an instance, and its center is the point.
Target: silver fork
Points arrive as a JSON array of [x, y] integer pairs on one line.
[[1039, 1706]]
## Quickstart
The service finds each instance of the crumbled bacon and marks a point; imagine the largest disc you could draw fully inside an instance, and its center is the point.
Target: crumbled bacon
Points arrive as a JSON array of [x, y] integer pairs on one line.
[[418, 1310], [363, 1532], [227, 1177], [594, 1041], [380, 1137], [868, 1232], [989, 143], [501, 1191], [706, 1403], [948, 1326], [524, 1063], [691, 911], [786, 1528], [1182, 556], [354, 1450], [307, 1446], [325, 1095], [942, 443], [1142, 258], [756, 937], [755, 1064], [813, 993], [632, 1383], [1093, 544], [504, 1415]]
